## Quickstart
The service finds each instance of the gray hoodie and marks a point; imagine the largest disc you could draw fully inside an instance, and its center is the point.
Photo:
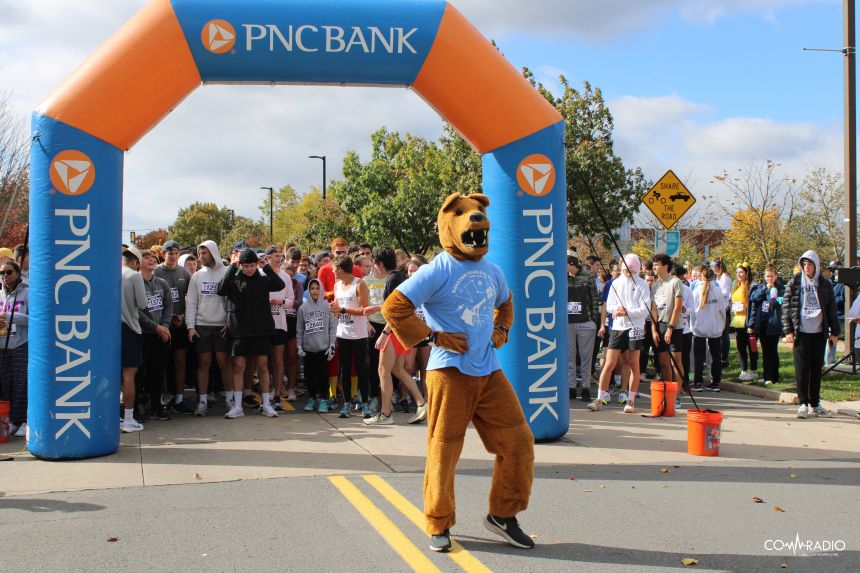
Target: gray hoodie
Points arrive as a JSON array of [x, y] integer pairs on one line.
[[17, 330], [203, 306], [316, 326], [810, 305]]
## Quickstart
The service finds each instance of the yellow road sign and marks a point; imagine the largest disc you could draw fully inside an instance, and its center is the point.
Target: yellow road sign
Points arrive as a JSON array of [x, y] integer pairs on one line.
[[668, 199]]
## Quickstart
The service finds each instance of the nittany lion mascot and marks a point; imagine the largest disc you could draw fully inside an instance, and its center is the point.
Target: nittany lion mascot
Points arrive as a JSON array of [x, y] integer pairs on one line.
[[469, 311]]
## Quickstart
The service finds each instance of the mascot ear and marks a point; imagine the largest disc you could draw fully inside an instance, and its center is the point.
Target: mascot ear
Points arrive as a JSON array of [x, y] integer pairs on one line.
[[449, 201], [480, 198]]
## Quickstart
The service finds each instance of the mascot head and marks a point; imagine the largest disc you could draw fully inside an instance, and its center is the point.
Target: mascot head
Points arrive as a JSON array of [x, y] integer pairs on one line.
[[464, 229]]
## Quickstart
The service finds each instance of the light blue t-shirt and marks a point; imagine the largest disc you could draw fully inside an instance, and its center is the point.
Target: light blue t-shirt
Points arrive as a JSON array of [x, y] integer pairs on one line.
[[459, 297]]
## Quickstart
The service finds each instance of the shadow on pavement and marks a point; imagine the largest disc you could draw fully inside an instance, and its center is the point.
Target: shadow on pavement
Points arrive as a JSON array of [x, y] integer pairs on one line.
[[37, 505]]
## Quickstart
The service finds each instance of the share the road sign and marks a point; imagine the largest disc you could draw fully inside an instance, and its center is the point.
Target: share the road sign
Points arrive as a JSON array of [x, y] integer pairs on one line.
[[669, 199]]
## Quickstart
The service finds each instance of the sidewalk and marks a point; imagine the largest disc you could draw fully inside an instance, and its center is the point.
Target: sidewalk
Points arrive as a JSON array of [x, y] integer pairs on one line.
[[756, 433]]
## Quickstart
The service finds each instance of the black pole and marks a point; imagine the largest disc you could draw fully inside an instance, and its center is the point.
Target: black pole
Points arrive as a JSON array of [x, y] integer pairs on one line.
[[271, 214], [850, 151], [323, 160]]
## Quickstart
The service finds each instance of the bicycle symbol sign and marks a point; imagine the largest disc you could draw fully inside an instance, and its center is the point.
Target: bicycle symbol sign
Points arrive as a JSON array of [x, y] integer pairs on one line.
[[668, 200]]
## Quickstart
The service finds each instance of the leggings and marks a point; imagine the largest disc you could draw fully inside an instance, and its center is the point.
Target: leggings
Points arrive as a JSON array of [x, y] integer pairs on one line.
[[353, 350], [13, 382], [808, 360], [150, 377], [770, 356], [742, 340]]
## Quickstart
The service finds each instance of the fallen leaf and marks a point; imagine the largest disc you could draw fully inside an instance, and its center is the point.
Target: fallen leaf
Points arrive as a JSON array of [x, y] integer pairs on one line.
[[198, 476], [664, 470], [783, 566], [533, 536], [573, 478], [664, 486], [792, 476], [113, 538], [756, 499], [603, 487], [588, 491], [778, 508], [687, 561]]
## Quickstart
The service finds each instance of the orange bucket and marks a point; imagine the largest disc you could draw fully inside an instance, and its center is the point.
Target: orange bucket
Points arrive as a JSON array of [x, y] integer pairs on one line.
[[658, 391], [5, 421], [703, 432]]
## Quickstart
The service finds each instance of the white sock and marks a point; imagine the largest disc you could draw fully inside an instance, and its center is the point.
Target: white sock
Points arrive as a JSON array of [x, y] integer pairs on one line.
[[246, 392], [129, 414], [235, 396], [266, 400], [178, 399], [204, 398]]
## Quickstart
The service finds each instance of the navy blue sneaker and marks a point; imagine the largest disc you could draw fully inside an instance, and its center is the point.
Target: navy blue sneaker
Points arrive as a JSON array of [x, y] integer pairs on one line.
[[509, 529], [441, 542]]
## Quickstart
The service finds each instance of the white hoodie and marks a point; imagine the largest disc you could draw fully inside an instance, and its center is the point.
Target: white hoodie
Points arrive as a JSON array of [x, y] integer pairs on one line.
[[634, 295], [203, 306], [709, 320]]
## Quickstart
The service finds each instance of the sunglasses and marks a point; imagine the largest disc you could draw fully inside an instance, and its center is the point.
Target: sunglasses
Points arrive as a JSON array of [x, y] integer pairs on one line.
[[7, 273]]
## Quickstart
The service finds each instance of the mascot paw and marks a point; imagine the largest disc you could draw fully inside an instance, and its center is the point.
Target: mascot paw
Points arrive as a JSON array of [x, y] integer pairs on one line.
[[453, 342], [500, 337]]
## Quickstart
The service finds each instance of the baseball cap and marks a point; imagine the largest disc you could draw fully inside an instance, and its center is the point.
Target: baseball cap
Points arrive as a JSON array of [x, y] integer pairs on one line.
[[171, 245], [6, 252], [272, 250], [248, 256], [240, 246]]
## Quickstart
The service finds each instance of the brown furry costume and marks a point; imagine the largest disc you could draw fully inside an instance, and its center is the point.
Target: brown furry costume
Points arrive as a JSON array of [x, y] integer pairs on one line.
[[454, 399]]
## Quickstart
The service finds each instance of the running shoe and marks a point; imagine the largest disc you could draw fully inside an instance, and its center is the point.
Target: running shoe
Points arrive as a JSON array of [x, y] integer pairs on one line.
[[365, 411], [509, 529], [374, 405], [183, 408], [291, 395], [420, 414], [235, 412], [820, 410], [442, 542], [586, 395], [323, 409], [21, 432], [629, 408], [379, 419], [622, 397], [268, 411], [802, 412], [595, 406], [713, 387], [311, 405], [129, 426], [200, 410], [344, 412]]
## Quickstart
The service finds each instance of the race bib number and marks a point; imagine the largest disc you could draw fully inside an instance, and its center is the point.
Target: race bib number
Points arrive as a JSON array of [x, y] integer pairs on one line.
[[811, 312], [737, 306], [290, 311], [345, 319], [154, 302], [312, 326], [660, 302], [765, 306], [174, 294], [209, 288], [420, 312], [637, 333], [276, 309], [574, 308]]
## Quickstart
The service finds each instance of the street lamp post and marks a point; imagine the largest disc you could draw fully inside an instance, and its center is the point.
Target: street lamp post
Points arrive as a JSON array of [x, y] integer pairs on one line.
[[271, 214], [323, 160]]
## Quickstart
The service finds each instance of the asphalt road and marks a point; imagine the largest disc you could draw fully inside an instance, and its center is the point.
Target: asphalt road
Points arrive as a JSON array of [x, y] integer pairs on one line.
[[613, 516]]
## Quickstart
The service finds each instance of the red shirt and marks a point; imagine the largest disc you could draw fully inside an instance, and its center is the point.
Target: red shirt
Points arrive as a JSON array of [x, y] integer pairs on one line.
[[327, 279]]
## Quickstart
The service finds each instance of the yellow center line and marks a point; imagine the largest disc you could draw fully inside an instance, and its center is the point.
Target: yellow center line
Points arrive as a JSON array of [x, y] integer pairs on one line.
[[459, 554], [395, 538]]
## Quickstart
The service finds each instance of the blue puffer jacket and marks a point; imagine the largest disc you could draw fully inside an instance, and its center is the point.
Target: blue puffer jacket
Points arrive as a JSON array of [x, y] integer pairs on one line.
[[764, 313]]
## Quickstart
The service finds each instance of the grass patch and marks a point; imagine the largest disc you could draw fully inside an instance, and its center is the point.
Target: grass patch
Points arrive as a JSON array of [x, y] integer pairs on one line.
[[835, 386]]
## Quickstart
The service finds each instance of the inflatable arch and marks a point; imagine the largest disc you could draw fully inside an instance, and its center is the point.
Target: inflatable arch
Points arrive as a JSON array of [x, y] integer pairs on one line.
[[169, 48]]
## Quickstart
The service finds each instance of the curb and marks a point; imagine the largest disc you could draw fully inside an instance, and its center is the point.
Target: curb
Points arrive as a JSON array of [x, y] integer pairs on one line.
[[757, 391]]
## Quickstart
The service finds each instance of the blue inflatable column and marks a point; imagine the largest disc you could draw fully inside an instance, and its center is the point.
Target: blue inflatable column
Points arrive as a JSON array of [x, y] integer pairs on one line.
[[525, 181], [74, 336]]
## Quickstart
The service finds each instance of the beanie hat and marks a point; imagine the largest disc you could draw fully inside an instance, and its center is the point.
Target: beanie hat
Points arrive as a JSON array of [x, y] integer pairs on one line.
[[633, 263]]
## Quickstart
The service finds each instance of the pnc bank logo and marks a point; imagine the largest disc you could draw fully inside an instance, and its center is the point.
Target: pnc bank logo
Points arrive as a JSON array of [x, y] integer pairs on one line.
[[536, 175], [218, 36], [72, 172]]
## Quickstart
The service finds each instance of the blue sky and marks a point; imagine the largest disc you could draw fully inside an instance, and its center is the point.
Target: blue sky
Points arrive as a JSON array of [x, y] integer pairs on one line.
[[696, 86]]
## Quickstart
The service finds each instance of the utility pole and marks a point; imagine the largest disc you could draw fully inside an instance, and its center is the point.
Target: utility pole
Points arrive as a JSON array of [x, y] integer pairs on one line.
[[323, 160], [850, 87], [271, 214]]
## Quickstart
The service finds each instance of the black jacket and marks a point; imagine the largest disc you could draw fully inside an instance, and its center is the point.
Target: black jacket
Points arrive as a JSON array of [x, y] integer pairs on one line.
[[248, 310], [792, 301], [769, 321]]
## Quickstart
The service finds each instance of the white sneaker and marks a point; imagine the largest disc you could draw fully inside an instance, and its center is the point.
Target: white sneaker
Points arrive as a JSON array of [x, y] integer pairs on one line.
[[379, 420], [747, 375], [622, 397], [21, 431], [820, 411], [235, 412], [802, 411], [768, 382], [291, 395], [200, 410], [268, 411], [629, 408], [129, 426], [595, 405], [420, 414]]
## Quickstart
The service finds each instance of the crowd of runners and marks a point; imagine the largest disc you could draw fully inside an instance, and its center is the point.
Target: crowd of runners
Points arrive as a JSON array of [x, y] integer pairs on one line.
[[260, 329]]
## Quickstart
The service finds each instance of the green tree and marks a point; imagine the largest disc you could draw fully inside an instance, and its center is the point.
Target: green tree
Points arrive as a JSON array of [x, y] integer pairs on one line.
[[286, 202], [464, 169], [201, 221], [14, 175], [244, 229], [318, 222], [821, 206], [394, 197], [592, 164]]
